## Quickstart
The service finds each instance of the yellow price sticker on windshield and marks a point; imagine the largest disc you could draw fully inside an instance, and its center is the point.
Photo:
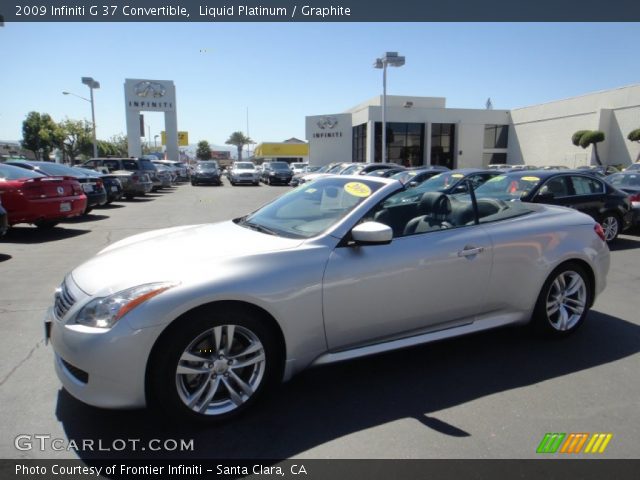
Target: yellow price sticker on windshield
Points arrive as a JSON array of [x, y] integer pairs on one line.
[[357, 189], [457, 175], [310, 190], [530, 179]]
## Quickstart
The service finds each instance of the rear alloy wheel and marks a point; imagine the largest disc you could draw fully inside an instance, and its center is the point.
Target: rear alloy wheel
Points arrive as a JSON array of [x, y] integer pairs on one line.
[[564, 301], [611, 226], [216, 367]]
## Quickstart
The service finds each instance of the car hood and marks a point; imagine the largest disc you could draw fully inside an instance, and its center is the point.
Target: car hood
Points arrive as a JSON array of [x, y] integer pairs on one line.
[[182, 254]]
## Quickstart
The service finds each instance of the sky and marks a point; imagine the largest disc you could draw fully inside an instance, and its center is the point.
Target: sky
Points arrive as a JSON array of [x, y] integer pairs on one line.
[[275, 74]]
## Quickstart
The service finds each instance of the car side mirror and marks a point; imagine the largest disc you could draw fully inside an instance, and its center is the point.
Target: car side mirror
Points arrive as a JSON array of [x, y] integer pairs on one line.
[[413, 184], [372, 233], [461, 189]]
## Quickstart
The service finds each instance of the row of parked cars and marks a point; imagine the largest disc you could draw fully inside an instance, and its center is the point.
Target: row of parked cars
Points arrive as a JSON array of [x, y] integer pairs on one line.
[[46, 193], [245, 172]]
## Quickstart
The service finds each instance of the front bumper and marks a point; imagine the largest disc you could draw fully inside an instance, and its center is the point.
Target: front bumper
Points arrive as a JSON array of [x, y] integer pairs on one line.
[[243, 179], [213, 179], [102, 368]]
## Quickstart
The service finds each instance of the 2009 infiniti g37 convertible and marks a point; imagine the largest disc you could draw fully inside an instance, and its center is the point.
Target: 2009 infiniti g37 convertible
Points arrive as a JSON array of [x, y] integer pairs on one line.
[[305, 281]]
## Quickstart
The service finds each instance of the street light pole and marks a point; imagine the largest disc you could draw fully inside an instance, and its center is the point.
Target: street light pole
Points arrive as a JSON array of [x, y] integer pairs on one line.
[[389, 58], [91, 83]]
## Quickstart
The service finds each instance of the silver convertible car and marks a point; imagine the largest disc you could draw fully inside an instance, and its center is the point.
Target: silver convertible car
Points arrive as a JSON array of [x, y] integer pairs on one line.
[[305, 281]]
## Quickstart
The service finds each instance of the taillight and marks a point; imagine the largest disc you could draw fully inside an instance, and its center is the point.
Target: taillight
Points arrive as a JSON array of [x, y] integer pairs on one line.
[[99, 184], [135, 178], [599, 231], [635, 197]]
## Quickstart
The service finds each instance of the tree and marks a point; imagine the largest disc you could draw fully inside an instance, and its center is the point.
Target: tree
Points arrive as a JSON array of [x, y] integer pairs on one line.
[[203, 151], [585, 138], [239, 140], [634, 136], [77, 138], [40, 134], [120, 145]]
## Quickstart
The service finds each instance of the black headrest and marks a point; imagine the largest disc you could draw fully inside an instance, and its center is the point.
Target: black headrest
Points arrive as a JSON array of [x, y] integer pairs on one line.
[[434, 203]]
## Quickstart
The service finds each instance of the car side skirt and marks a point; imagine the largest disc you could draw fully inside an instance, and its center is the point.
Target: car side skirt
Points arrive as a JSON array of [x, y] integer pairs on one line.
[[494, 321]]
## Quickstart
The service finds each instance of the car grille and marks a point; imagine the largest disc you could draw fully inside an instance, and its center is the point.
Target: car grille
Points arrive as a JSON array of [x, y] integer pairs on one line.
[[63, 300]]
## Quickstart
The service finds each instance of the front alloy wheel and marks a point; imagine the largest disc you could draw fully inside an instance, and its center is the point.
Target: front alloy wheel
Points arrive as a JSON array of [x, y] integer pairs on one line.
[[611, 226], [212, 365], [220, 370]]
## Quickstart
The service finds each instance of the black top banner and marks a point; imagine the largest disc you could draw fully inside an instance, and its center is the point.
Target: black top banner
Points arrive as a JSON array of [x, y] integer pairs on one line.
[[319, 11]]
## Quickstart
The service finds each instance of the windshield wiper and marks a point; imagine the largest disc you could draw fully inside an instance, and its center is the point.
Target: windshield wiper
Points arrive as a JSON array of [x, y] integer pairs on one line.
[[257, 227]]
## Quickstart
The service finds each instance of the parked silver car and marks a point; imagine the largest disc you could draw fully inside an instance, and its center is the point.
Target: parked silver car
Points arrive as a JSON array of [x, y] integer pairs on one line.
[[306, 280]]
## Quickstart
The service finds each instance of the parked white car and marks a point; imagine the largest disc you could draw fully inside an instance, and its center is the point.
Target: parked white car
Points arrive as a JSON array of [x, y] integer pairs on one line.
[[244, 172]]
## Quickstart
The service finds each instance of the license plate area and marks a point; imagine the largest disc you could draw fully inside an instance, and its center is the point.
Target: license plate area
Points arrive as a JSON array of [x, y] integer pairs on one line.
[[65, 207]]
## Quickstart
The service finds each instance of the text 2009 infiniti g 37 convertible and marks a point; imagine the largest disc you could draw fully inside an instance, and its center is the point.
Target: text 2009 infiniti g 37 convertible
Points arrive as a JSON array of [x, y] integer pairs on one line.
[[305, 281]]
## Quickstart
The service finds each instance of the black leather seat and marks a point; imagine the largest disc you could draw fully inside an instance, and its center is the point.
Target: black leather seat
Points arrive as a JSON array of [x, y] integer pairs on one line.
[[434, 207]]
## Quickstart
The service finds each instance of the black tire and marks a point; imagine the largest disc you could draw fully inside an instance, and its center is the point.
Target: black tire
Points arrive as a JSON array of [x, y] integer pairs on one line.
[[170, 390], [193, 184], [552, 296], [87, 210], [256, 184], [46, 224], [611, 225]]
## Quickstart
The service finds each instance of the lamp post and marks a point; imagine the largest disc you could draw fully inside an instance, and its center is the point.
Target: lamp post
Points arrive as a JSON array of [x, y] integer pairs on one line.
[[155, 142], [393, 59], [91, 83]]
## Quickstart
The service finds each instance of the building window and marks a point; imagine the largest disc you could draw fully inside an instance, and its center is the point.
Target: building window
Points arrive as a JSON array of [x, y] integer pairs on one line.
[[443, 140], [496, 136], [405, 143], [494, 159], [359, 144]]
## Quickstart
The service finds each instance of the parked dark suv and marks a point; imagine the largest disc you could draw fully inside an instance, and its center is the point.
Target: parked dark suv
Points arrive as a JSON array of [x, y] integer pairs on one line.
[[276, 172], [133, 173]]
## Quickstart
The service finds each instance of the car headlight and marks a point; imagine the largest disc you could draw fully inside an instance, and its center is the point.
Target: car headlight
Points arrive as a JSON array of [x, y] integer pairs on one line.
[[104, 312]]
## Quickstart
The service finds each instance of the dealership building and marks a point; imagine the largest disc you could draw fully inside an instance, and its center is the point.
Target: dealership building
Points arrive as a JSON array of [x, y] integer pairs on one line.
[[423, 131]]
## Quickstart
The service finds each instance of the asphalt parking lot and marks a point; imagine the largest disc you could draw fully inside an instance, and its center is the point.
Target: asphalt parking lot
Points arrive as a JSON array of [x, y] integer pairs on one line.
[[492, 395]]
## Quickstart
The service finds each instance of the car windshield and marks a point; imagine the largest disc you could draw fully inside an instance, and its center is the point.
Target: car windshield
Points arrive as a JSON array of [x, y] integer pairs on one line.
[[207, 166], [437, 183], [50, 168], [244, 166], [624, 179], [279, 166], [507, 187], [351, 170], [9, 172], [307, 211], [298, 165]]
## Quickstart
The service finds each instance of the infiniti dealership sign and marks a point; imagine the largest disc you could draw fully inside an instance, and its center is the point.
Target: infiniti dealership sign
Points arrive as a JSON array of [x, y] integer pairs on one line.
[[141, 95], [149, 95], [329, 138]]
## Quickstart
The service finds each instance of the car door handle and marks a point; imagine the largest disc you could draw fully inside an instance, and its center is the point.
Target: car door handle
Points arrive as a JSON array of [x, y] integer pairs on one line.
[[468, 252]]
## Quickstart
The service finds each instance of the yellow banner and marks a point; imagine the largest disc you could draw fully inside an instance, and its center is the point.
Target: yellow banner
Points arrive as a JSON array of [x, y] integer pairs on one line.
[[282, 150], [183, 138]]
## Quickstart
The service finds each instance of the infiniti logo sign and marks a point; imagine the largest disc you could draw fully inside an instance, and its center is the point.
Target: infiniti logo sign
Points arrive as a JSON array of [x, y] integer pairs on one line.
[[60, 191], [149, 89], [327, 122]]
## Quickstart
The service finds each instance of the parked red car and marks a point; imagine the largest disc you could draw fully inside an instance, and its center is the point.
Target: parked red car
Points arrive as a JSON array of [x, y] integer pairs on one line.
[[30, 197]]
